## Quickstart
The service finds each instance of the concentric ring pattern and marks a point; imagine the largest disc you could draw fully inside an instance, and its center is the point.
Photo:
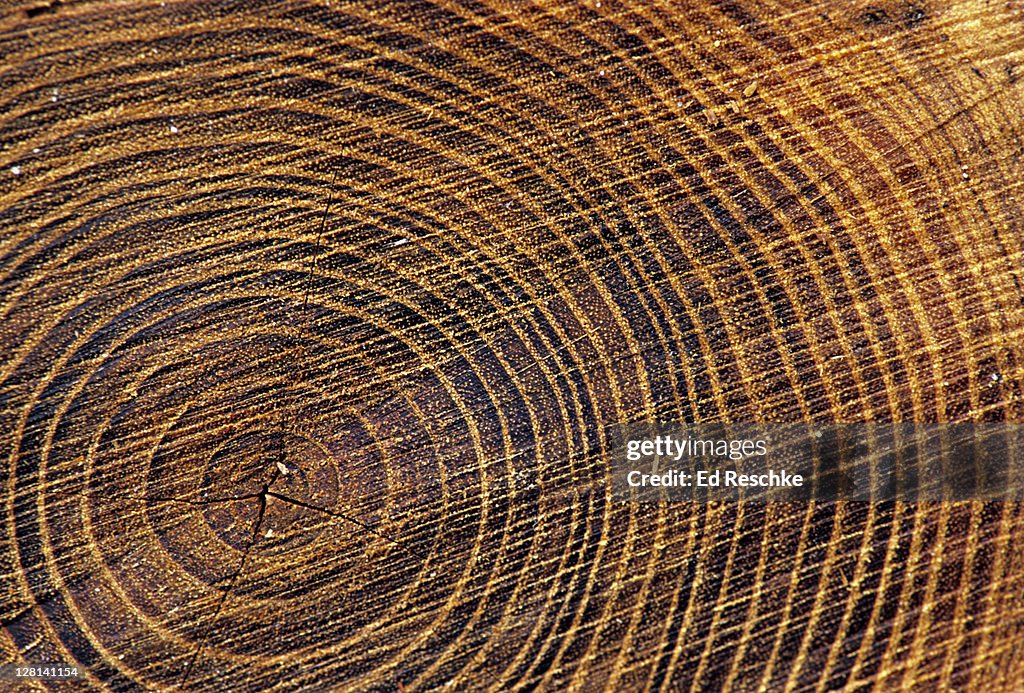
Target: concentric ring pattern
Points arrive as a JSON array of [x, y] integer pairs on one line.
[[316, 319]]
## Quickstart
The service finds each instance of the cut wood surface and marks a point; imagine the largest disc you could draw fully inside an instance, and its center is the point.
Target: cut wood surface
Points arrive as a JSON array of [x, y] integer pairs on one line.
[[315, 319]]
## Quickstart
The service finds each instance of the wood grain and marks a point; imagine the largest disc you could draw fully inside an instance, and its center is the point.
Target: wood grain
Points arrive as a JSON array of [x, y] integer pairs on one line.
[[315, 319]]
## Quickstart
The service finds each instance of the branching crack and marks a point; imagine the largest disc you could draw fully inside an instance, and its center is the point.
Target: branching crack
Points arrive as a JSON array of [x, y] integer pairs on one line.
[[262, 496], [349, 518], [319, 239], [280, 469], [208, 501]]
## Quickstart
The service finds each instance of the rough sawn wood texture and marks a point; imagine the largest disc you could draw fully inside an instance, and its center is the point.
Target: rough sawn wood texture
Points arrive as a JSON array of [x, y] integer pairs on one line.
[[315, 319]]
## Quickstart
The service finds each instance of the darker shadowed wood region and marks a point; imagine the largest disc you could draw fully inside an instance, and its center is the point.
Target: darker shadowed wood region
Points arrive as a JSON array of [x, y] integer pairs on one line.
[[316, 317]]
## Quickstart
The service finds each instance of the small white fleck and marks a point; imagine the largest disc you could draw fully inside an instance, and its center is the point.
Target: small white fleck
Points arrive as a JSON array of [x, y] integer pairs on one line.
[[36, 150], [601, 73], [717, 43], [433, 573], [269, 533], [597, 4], [679, 104], [995, 377], [400, 241], [965, 175], [281, 468], [16, 170], [174, 129]]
